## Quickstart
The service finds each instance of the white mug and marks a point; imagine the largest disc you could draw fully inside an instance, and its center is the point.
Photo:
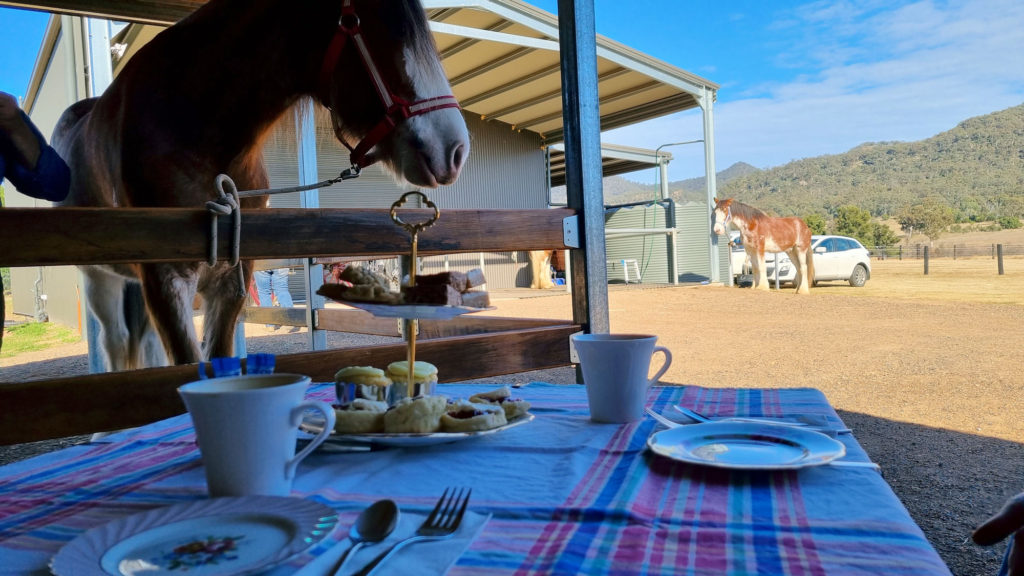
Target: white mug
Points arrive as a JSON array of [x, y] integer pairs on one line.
[[247, 427], [615, 368]]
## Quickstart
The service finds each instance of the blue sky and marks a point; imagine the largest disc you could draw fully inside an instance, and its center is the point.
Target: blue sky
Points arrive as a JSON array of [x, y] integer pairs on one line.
[[798, 79]]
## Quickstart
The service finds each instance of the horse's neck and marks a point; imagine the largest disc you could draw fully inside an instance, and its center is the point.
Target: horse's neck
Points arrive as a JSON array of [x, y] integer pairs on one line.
[[741, 223], [259, 58]]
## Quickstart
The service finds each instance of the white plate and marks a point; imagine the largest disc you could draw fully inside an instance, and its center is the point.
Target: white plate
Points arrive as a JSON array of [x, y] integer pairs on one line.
[[746, 446], [313, 425], [213, 537], [412, 311]]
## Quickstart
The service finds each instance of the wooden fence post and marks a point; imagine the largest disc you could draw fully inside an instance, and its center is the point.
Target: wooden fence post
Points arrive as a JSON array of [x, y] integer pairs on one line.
[[925, 260], [999, 256]]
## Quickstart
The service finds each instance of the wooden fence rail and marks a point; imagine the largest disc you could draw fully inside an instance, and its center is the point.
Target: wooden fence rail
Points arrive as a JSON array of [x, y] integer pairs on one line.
[[80, 405], [65, 236]]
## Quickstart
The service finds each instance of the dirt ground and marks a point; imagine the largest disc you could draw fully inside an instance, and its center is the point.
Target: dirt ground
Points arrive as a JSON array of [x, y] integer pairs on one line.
[[930, 388]]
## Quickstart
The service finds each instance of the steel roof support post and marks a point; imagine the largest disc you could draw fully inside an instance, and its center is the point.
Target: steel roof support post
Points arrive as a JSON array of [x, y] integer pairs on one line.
[[673, 251], [96, 52], [313, 274], [707, 100], [582, 121]]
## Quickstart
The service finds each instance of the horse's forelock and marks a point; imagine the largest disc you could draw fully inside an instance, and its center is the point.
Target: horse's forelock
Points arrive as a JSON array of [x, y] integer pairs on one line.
[[421, 52]]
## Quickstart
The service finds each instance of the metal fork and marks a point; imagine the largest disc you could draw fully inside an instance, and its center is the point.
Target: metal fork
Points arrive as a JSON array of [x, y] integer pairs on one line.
[[442, 523], [667, 423]]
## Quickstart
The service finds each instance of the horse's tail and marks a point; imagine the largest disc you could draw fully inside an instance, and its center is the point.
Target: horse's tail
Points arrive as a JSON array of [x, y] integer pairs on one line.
[[810, 265]]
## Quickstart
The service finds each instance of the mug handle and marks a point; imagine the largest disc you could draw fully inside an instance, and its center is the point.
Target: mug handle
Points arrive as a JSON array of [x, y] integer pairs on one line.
[[664, 367], [328, 413]]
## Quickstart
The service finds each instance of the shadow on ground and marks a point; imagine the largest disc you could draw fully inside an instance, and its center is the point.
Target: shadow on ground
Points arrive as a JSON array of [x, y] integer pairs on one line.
[[929, 469]]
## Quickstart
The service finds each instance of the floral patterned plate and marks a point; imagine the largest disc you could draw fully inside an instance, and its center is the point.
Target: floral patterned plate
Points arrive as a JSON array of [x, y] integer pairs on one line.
[[214, 537]]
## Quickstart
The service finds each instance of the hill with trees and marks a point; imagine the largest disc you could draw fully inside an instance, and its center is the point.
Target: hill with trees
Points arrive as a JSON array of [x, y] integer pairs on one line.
[[976, 170], [973, 173]]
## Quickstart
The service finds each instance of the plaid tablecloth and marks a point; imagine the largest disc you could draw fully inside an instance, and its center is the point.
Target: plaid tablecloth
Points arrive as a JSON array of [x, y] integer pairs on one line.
[[567, 496]]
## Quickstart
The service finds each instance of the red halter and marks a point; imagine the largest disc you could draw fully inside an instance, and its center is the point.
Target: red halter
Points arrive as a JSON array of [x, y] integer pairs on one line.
[[396, 109]]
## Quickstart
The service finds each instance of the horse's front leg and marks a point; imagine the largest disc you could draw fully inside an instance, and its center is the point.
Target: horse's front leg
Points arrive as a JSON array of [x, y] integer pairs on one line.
[[223, 301], [104, 295], [169, 290]]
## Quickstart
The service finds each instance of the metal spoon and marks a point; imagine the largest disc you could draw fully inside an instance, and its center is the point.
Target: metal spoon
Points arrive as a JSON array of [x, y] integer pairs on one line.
[[373, 525]]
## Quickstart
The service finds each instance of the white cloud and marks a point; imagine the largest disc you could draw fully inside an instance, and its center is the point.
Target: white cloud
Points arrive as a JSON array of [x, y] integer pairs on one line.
[[883, 74]]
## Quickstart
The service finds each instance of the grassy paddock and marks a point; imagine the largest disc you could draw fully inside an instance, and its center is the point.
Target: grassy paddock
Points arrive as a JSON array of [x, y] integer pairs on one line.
[[35, 336], [962, 280]]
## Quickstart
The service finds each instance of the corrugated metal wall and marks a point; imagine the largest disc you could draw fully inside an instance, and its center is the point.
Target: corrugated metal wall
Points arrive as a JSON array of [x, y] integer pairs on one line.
[[652, 251], [506, 169], [694, 258]]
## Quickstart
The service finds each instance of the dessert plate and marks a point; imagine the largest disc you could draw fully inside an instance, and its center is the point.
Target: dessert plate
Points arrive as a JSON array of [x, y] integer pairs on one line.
[[746, 446], [212, 537], [313, 425]]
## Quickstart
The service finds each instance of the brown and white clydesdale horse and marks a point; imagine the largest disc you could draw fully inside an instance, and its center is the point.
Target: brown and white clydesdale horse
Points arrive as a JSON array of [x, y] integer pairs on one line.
[[198, 100], [763, 233]]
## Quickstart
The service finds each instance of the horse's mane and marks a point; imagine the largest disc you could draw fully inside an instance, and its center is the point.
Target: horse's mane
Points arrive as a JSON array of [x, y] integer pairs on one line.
[[746, 212], [423, 37]]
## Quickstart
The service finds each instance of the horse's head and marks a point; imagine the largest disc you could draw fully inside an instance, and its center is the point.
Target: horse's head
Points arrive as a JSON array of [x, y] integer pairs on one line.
[[721, 216], [389, 95]]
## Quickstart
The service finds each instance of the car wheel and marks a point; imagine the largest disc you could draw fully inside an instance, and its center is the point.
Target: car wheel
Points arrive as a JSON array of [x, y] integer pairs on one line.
[[859, 276]]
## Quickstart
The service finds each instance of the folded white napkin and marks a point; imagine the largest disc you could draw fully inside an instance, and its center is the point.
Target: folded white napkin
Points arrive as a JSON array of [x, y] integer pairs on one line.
[[419, 558]]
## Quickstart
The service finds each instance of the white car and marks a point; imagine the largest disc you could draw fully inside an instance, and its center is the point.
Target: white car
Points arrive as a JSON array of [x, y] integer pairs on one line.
[[835, 258]]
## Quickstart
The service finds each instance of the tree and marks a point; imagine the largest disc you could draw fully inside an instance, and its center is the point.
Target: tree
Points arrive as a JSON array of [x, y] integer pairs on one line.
[[882, 235], [817, 223], [854, 222], [930, 217]]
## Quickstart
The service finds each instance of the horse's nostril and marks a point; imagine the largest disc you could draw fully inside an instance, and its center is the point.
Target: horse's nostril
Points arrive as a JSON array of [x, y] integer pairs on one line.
[[458, 156]]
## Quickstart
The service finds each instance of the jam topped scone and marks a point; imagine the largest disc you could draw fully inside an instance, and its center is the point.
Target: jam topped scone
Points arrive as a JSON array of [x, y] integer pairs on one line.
[[464, 416], [514, 407]]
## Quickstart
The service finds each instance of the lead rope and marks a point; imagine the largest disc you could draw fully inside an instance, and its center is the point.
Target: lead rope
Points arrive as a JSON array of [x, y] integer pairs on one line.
[[346, 174], [227, 203]]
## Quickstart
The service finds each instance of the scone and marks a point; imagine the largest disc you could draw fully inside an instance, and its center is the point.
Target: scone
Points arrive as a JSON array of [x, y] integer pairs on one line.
[[514, 407], [360, 416], [367, 382], [421, 414], [423, 372], [464, 416], [360, 275]]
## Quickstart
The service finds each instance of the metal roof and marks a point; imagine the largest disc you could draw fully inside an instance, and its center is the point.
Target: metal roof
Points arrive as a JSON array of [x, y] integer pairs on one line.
[[615, 159], [502, 59]]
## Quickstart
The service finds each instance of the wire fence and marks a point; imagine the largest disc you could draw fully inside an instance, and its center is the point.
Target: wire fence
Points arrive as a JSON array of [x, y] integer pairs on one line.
[[954, 251]]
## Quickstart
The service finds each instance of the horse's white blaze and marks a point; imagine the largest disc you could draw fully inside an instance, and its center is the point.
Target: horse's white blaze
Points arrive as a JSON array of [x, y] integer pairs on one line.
[[427, 141], [427, 81]]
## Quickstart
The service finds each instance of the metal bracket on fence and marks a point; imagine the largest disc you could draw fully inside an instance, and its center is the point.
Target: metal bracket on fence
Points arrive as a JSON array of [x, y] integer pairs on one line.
[[571, 231]]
